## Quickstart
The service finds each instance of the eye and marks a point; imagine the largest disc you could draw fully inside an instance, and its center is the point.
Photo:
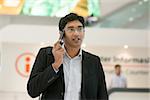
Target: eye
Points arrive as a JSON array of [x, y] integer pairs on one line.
[[80, 28], [71, 29]]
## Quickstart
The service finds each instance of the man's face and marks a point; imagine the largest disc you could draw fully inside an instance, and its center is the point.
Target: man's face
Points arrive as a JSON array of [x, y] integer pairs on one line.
[[118, 70], [74, 34]]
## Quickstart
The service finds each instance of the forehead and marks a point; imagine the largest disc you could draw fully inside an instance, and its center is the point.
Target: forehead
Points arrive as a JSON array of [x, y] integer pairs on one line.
[[75, 23], [117, 68]]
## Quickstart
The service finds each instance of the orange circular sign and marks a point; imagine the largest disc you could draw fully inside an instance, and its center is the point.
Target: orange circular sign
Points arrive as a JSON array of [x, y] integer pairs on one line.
[[23, 64]]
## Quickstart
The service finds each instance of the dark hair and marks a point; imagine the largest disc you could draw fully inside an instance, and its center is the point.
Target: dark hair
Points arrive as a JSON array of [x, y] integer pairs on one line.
[[70, 17], [117, 65]]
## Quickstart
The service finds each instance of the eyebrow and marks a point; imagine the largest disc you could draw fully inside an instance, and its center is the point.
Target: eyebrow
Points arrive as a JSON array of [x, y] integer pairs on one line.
[[74, 27]]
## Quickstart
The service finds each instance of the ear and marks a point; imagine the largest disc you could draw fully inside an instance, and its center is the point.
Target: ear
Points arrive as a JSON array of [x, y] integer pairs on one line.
[[60, 32], [61, 35]]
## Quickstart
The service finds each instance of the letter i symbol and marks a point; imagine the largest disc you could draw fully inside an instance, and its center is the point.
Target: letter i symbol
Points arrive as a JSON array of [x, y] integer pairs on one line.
[[27, 66]]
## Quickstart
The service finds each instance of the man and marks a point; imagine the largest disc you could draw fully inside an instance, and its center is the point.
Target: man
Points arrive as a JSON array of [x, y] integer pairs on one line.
[[118, 80], [67, 72]]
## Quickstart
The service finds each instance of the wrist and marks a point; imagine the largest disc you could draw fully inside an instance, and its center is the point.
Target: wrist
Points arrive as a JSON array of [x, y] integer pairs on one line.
[[55, 66]]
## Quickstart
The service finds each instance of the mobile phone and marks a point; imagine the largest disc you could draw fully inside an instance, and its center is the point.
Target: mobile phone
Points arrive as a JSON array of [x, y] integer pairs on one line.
[[61, 37]]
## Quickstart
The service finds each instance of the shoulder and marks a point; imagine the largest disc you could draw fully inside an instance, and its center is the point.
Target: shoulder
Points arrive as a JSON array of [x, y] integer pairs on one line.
[[123, 77], [88, 54], [47, 49]]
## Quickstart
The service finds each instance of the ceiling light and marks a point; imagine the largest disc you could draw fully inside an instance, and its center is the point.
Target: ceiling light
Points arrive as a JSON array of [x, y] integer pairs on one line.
[[11, 3], [131, 19], [145, 0], [126, 46], [140, 3]]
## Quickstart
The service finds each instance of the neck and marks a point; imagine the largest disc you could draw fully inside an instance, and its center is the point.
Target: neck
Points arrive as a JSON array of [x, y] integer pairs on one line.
[[72, 52], [118, 74]]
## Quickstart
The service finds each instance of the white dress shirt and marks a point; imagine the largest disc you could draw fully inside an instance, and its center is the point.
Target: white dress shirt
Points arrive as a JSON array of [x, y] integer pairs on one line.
[[118, 81], [72, 76]]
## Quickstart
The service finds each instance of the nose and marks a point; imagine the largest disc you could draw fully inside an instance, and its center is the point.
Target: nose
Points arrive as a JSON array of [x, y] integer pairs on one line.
[[76, 32]]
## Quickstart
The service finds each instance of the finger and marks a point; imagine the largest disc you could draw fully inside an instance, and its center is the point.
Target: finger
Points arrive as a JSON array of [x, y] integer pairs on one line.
[[57, 46], [56, 43], [60, 50]]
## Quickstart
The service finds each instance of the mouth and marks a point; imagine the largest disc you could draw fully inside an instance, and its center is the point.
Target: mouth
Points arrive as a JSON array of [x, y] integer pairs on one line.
[[76, 39]]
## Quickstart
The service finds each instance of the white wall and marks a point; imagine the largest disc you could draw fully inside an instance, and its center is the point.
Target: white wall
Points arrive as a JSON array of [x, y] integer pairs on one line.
[[93, 36], [0, 51]]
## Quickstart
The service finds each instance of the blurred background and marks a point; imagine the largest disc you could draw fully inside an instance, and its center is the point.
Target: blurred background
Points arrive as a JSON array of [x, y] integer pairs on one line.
[[118, 31]]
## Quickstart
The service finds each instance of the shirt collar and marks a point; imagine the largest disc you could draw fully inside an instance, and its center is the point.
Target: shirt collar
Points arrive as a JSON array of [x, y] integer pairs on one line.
[[79, 55]]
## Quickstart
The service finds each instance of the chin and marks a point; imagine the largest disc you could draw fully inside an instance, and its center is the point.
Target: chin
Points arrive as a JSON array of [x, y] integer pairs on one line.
[[77, 46]]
